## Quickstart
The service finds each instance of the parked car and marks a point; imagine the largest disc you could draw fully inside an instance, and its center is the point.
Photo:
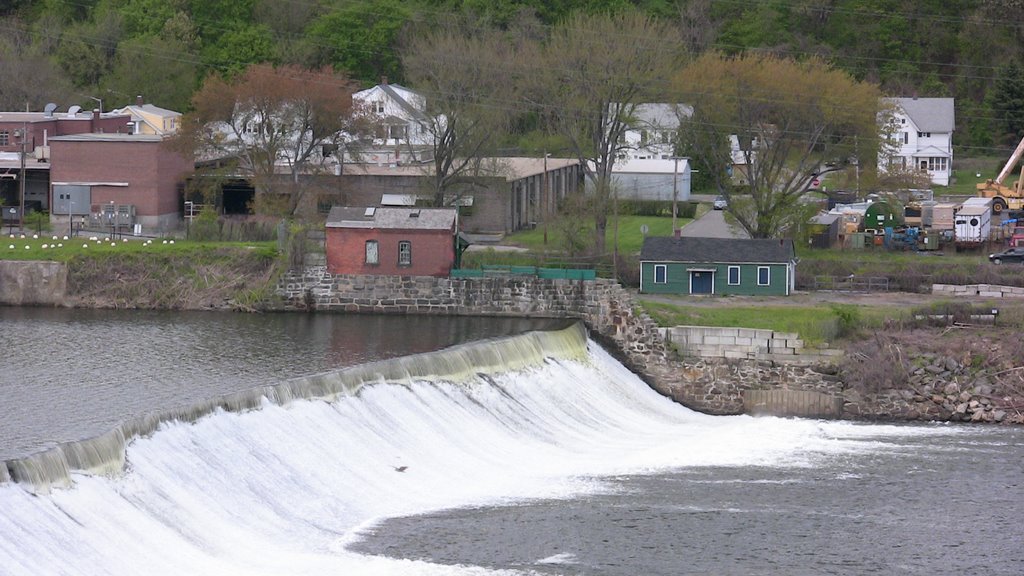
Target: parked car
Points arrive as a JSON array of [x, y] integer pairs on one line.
[[720, 203], [1015, 255]]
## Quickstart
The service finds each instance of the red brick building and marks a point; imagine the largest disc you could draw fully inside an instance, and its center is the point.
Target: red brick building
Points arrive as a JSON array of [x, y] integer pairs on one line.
[[391, 241], [90, 172]]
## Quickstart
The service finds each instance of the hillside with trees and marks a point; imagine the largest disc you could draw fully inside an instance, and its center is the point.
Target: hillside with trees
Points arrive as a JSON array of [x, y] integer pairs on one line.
[[90, 51]]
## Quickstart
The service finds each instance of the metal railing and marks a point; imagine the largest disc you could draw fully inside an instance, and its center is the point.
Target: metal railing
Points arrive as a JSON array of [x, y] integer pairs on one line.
[[852, 283]]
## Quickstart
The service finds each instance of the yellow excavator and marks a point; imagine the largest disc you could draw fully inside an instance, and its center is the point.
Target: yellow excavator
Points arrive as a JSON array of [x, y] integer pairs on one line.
[[1005, 197]]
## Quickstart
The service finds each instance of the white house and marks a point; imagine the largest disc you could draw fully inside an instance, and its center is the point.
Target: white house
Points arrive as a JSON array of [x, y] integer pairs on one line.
[[921, 137], [651, 131], [401, 113]]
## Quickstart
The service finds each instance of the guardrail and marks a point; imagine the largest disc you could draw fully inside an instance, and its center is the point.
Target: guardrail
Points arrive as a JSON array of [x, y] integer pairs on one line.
[[852, 283]]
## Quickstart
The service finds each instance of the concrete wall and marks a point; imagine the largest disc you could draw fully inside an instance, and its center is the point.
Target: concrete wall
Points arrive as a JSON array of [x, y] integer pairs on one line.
[[978, 290], [744, 343], [31, 283]]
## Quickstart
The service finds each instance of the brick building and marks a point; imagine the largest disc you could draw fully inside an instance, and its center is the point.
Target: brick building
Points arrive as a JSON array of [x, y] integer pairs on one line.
[[91, 172], [391, 241]]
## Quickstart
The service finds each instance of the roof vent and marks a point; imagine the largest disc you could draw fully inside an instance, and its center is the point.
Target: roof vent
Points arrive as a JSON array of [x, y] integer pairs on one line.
[[48, 110], [414, 214], [369, 212], [74, 110]]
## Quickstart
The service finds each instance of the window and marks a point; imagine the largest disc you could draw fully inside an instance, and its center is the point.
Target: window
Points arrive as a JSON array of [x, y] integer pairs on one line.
[[906, 137], [371, 252], [924, 134], [734, 275], [5, 138], [660, 273], [397, 131], [378, 106], [764, 276], [405, 253], [937, 164]]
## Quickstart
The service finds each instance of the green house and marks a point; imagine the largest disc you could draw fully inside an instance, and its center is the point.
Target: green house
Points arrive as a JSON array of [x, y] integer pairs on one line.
[[762, 267]]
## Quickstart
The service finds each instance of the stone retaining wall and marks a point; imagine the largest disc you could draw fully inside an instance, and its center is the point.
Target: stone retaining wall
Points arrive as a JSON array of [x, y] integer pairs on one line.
[[744, 343], [608, 310], [33, 283], [979, 290]]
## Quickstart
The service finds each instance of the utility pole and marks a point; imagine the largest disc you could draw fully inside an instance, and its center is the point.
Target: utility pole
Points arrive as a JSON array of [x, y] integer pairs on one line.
[[21, 179], [544, 198]]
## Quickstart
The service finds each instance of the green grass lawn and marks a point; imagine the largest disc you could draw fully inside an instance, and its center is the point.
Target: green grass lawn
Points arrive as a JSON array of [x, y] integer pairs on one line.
[[56, 248], [630, 237], [814, 324]]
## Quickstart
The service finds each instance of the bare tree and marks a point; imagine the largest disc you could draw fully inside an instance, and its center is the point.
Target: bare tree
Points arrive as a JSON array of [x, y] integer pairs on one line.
[[468, 82], [274, 123], [794, 122], [592, 73], [33, 79]]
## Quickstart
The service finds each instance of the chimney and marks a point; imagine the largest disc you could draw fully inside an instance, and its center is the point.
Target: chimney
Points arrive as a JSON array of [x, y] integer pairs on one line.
[[139, 101], [384, 80]]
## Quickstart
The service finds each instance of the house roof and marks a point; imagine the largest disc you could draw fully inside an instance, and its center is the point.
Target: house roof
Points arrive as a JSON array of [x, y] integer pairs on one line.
[[713, 250], [107, 137], [928, 114], [509, 168], [659, 114], [392, 218]]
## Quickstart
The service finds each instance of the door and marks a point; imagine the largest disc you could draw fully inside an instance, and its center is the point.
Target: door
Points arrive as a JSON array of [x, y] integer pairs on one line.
[[701, 282]]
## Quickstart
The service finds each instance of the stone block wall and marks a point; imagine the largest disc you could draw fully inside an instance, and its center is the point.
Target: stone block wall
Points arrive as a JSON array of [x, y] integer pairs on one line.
[[743, 343], [978, 290]]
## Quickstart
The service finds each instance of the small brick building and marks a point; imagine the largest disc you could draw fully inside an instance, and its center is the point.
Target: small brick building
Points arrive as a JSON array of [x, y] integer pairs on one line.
[[90, 171], [391, 241]]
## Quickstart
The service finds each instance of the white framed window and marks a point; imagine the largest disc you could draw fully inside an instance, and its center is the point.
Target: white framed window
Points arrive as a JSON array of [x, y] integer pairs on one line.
[[764, 275], [397, 131], [660, 273], [924, 134], [906, 137], [378, 106], [372, 253], [734, 275], [935, 164], [5, 138], [405, 253]]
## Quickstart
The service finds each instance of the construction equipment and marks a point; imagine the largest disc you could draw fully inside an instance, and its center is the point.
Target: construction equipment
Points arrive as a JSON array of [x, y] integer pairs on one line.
[[1004, 197]]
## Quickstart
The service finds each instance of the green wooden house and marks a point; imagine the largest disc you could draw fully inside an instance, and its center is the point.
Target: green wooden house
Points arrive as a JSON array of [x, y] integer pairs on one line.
[[761, 267]]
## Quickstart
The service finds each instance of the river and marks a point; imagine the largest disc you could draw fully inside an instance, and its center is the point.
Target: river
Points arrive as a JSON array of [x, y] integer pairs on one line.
[[533, 454]]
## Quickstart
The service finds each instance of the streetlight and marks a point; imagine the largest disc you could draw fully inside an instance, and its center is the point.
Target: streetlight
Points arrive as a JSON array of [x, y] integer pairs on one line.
[[98, 100]]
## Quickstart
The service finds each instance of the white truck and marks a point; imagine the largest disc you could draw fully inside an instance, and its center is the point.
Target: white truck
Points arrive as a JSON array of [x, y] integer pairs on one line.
[[972, 223]]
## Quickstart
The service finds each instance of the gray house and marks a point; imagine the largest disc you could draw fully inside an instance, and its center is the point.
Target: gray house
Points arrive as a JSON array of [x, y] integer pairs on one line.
[[741, 266]]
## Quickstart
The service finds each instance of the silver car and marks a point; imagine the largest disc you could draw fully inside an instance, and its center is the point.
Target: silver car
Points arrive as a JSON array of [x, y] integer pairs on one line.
[[720, 203]]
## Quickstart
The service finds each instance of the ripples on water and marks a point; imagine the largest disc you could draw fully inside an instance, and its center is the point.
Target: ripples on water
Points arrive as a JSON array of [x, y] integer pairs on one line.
[[71, 374]]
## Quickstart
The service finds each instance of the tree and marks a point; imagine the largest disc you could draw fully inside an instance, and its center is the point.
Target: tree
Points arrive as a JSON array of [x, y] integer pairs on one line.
[[270, 121], [593, 72], [39, 81], [1006, 99], [360, 37], [161, 70], [794, 120], [468, 82]]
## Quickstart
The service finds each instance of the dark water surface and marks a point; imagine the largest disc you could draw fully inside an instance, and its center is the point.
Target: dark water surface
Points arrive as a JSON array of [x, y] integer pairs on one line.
[[911, 505], [71, 374]]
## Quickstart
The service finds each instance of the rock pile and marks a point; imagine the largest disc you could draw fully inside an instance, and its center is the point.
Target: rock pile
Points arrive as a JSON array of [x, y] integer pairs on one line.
[[941, 388]]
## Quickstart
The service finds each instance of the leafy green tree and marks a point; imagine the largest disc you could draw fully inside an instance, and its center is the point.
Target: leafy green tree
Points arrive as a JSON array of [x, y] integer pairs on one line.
[[360, 38], [87, 49], [161, 70], [1006, 100], [800, 118], [39, 79]]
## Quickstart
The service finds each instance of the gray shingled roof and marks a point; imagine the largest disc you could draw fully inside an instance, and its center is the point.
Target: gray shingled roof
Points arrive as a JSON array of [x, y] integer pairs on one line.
[[929, 114], [411, 110], [392, 218], [712, 250]]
